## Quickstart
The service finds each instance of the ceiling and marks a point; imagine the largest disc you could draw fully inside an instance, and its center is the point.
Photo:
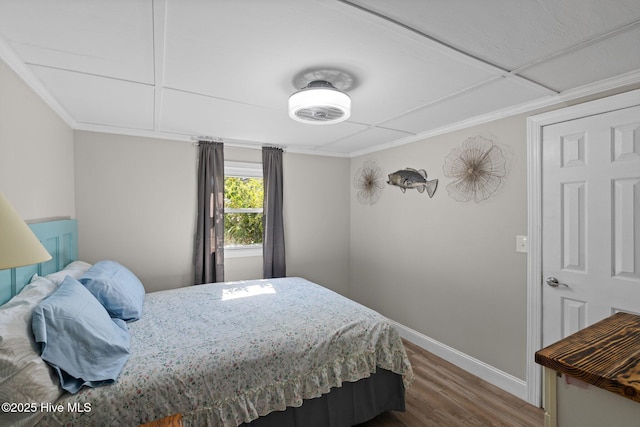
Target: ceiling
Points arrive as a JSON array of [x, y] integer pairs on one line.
[[179, 69]]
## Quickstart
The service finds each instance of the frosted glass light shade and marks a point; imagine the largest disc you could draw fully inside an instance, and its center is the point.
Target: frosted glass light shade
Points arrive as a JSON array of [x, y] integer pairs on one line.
[[319, 103], [18, 245]]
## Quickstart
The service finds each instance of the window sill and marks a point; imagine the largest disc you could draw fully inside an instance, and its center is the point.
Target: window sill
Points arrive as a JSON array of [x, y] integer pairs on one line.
[[240, 252]]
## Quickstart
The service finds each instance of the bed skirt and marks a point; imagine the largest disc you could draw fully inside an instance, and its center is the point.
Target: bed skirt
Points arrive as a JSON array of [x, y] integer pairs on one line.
[[345, 406]]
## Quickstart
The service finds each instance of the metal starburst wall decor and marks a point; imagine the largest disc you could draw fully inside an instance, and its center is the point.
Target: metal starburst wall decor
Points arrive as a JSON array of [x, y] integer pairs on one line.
[[369, 182], [477, 167]]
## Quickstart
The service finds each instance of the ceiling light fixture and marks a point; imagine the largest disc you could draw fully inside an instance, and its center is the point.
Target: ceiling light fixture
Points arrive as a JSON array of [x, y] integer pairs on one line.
[[319, 103]]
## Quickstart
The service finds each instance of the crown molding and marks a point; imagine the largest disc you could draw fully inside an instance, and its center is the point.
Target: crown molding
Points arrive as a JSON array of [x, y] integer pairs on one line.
[[8, 55]]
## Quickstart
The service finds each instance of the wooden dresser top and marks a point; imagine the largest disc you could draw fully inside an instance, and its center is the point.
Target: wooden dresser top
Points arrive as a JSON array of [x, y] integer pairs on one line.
[[605, 354]]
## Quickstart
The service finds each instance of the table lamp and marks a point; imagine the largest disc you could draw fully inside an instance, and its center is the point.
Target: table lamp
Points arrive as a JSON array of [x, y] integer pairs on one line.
[[18, 245]]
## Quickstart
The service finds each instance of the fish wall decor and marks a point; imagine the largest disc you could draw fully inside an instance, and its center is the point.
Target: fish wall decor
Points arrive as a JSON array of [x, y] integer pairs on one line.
[[412, 178]]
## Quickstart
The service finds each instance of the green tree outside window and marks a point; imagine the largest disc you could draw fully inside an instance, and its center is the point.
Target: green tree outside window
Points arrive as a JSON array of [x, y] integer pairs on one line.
[[243, 199]]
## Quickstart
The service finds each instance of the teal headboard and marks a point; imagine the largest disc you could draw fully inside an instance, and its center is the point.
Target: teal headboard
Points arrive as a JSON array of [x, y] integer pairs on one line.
[[60, 238]]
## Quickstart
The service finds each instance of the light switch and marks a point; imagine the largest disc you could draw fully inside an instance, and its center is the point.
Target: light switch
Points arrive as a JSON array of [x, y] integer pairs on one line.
[[522, 245]]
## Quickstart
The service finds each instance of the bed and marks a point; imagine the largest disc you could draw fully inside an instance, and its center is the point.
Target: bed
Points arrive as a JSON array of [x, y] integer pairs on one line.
[[260, 353]]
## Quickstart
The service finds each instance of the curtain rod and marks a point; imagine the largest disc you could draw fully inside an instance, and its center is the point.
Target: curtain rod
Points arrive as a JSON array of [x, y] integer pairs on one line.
[[279, 147], [196, 139]]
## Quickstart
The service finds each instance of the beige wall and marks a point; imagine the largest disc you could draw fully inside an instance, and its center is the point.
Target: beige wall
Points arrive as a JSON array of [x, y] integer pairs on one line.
[[447, 269], [36, 152], [136, 201], [316, 214]]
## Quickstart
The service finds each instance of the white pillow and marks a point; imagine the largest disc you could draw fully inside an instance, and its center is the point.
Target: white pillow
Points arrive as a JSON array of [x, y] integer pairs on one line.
[[75, 269], [24, 376]]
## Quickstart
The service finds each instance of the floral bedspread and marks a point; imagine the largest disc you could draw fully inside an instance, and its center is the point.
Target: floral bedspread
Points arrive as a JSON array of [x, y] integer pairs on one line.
[[224, 354]]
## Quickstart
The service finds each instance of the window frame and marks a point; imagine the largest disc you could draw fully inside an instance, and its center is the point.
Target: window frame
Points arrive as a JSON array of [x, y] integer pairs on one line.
[[243, 170]]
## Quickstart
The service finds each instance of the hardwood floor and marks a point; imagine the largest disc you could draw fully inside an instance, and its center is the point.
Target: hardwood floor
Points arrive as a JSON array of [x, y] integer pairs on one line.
[[444, 395]]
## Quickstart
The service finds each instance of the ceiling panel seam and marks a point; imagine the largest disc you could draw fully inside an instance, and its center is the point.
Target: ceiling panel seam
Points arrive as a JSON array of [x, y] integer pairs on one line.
[[424, 35], [159, 27], [101, 76], [369, 127], [190, 92], [578, 46], [507, 72], [517, 71], [442, 99]]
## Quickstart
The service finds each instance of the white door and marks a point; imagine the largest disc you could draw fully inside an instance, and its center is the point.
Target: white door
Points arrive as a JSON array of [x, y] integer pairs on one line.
[[590, 221]]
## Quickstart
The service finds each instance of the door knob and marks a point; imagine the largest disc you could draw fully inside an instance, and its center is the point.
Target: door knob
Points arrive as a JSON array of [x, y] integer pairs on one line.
[[554, 283]]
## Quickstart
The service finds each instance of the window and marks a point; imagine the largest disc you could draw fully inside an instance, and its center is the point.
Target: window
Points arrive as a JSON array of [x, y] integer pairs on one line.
[[243, 196]]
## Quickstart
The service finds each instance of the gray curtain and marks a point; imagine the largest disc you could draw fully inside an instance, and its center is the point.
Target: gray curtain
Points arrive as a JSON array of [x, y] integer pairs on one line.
[[209, 239], [273, 241]]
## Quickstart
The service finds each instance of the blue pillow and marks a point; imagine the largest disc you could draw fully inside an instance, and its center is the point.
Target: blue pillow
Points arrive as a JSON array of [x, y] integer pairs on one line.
[[117, 288], [85, 346]]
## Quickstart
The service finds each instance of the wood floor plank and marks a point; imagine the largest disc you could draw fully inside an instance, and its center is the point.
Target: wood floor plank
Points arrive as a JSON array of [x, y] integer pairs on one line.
[[443, 394]]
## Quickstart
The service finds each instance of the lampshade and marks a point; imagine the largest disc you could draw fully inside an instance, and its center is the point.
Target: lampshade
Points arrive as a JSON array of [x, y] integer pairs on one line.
[[18, 245], [319, 103]]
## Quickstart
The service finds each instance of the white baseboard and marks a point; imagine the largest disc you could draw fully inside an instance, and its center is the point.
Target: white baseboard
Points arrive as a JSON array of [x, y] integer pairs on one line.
[[494, 376]]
